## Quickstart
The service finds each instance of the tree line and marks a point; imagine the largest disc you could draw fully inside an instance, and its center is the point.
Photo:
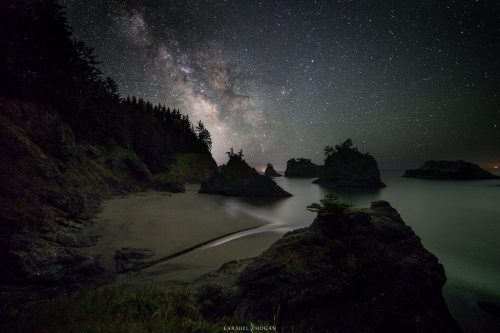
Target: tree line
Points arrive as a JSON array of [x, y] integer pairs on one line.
[[41, 62]]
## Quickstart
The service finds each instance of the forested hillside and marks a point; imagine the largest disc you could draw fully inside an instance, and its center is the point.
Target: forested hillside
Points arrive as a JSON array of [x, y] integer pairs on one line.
[[69, 140]]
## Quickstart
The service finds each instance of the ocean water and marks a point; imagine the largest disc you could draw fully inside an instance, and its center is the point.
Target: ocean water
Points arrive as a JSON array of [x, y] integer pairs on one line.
[[458, 221]]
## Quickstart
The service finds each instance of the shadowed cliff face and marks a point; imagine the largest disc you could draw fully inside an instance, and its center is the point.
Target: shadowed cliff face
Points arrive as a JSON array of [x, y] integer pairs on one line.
[[350, 168], [67, 141], [49, 186], [352, 270], [302, 168], [239, 179], [455, 170]]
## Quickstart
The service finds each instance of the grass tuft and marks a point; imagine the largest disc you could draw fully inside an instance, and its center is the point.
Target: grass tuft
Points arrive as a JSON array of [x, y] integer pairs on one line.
[[151, 309]]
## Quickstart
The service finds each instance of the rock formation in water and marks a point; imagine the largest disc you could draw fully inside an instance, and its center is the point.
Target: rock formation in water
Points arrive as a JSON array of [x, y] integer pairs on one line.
[[239, 179], [302, 168], [270, 172], [345, 166], [452, 170], [352, 270]]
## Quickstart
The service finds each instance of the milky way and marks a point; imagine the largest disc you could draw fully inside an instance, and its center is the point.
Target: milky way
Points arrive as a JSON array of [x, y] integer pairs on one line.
[[406, 80]]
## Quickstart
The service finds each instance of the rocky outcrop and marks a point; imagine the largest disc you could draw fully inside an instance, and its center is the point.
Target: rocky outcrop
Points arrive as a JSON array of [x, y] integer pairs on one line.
[[352, 270], [49, 187], [270, 172], [345, 166], [452, 170], [239, 179], [67, 141], [302, 168]]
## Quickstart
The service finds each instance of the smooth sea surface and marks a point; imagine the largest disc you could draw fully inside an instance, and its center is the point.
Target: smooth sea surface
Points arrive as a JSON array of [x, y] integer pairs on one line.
[[458, 221]]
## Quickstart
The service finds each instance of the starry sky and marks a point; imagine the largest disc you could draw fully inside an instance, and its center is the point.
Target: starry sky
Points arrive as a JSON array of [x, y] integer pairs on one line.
[[408, 81]]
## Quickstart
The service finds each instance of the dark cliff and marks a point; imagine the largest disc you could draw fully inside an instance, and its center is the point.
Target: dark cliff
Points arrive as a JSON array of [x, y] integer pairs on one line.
[[68, 140], [352, 270], [452, 170], [239, 179], [345, 166], [49, 187], [302, 168]]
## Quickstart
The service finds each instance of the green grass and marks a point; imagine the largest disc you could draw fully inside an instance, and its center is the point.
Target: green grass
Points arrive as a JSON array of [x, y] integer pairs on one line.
[[151, 309]]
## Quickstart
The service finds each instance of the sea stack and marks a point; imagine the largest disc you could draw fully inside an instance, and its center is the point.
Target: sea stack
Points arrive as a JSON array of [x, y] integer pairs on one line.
[[301, 168], [345, 166], [237, 178], [450, 170], [270, 172], [352, 270]]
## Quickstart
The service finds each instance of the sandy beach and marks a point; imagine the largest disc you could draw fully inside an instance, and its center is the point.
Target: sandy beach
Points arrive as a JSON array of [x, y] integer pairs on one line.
[[168, 223]]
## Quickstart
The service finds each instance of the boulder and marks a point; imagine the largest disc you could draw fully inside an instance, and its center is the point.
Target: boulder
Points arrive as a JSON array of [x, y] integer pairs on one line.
[[452, 170], [352, 270]]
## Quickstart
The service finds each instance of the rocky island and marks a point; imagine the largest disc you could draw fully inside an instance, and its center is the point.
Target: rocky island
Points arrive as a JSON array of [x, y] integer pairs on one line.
[[239, 179], [270, 172], [345, 166], [352, 270], [302, 168], [450, 170]]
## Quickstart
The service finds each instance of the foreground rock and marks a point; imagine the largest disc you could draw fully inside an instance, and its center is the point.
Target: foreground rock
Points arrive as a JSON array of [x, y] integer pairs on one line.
[[453, 170], [302, 168], [345, 166], [352, 270], [239, 179], [270, 172]]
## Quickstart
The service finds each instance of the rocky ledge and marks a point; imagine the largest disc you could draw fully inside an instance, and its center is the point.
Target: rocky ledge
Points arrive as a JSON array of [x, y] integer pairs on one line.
[[239, 179], [452, 170], [270, 172], [345, 166], [352, 270]]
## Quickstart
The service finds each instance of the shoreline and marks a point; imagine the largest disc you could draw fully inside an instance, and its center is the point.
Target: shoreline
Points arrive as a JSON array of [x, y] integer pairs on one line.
[[165, 223]]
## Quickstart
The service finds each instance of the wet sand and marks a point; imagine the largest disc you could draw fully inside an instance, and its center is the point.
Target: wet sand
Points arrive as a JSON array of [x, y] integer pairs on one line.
[[192, 265], [168, 223]]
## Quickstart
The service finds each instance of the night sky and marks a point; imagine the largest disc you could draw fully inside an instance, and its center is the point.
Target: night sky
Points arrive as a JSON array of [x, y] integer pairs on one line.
[[408, 81]]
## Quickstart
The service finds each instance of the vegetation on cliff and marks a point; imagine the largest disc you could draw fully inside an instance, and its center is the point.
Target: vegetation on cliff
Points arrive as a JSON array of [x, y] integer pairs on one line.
[[239, 179], [67, 141], [345, 166], [352, 270]]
